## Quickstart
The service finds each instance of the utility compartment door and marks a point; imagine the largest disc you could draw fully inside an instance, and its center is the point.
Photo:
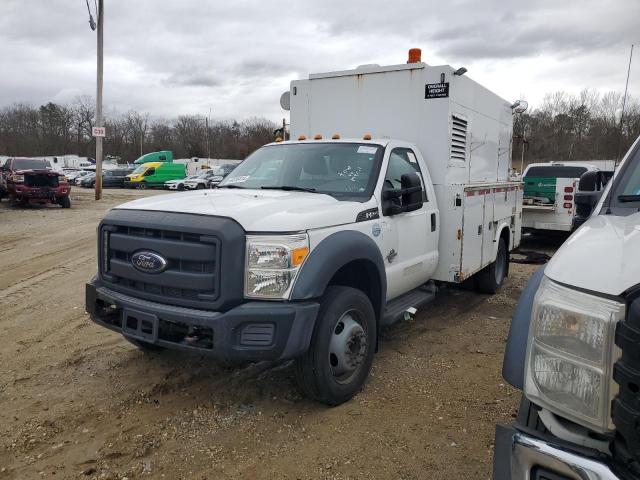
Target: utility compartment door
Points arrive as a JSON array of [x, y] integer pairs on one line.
[[488, 226], [472, 232]]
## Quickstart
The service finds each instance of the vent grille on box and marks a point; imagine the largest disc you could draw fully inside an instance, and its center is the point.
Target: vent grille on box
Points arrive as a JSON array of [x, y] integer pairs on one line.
[[458, 138]]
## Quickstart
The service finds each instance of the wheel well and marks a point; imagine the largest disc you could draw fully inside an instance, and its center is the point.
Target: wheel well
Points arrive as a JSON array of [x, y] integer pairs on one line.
[[506, 235], [363, 275]]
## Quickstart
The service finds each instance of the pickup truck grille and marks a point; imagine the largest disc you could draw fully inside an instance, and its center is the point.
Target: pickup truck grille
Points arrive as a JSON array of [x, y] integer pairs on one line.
[[626, 405], [32, 180], [192, 246]]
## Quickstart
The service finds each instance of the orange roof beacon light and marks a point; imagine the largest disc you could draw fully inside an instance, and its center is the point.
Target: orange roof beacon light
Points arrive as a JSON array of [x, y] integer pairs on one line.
[[317, 137], [278, 139], [415, 55], [335, 136], [366, 136], [302, 137]]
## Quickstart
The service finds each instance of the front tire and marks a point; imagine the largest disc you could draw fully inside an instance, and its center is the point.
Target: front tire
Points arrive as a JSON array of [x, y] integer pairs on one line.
[[200, 187], [491, 278], [65, 202], [142, 185], [340, 356], [181, 187]]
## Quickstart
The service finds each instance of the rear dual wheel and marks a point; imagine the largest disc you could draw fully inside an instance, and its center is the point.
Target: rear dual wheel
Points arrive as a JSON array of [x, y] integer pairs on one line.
[[492, 277], [340, 356]]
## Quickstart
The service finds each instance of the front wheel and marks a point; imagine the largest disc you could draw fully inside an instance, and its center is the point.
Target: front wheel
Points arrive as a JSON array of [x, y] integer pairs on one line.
[[200, 186], [142, 185], [65, 202], [491, 278], [339, 358]]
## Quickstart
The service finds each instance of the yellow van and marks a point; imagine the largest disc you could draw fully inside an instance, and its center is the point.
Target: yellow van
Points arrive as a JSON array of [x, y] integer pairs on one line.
[[154, 174]]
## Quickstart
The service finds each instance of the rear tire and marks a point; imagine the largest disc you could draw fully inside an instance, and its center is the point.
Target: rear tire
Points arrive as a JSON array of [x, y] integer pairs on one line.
[[65, 202], [181, 187], [340, 355], [491, 278]]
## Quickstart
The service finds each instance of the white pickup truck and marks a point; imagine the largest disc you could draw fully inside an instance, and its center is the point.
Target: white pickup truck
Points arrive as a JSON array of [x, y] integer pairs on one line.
[[574, 348], [398, 179]]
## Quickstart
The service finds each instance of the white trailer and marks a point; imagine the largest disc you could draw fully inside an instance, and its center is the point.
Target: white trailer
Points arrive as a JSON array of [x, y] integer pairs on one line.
[[462, 130]]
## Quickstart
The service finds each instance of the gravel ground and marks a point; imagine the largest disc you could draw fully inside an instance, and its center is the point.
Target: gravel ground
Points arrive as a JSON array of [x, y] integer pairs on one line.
[[78, 401]]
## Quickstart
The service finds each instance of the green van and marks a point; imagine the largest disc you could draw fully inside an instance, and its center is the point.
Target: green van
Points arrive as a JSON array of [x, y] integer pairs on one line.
[[161, 156], [154, 174]]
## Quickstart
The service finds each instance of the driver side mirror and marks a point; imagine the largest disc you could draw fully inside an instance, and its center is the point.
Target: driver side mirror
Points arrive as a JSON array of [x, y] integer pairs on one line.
[[406, 199], [589, 181]]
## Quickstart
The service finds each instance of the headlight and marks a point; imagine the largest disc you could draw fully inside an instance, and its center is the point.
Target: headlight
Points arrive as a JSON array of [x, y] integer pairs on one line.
[[570, 354], [272, 264], [18, 178]]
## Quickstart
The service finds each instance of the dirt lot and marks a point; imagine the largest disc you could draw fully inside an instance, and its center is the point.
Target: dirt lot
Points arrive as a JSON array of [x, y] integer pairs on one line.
[[77, 401]]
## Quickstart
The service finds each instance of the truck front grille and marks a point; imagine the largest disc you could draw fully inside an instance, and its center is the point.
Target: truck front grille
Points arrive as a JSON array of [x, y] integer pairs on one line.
[[626, 405], [31, 180], [192, 248]]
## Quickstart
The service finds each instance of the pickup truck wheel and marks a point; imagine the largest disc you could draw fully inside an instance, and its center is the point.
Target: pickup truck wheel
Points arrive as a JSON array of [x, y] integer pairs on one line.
[[65, 202], [144, 346], [490, 279], [342, 347]]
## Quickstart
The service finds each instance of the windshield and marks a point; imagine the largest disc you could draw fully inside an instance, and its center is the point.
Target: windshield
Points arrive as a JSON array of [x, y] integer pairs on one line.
[[557, 171], [339, 169], [140, 169], [630, 181], [30, 164]]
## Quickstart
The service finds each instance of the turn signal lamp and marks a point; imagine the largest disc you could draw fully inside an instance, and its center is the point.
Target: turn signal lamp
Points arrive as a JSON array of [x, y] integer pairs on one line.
[[298, 255], [366, 136]]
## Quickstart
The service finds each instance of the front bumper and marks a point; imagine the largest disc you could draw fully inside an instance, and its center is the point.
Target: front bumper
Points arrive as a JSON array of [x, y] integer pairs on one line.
[[40, 194], [251, 331], [521, 456]]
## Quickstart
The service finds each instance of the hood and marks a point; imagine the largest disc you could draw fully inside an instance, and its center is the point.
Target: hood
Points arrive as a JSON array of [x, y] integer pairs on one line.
[[258, 210], [38, 171], [602, 256]]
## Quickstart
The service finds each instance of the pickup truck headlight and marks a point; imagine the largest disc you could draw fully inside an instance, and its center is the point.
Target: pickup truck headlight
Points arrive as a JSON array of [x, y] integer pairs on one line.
[[17, 178], [272, 264], [570, 354]]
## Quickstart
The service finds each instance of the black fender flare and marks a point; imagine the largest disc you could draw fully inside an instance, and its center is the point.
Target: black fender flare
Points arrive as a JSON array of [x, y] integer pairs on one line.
[[513, 364], [333, 253]]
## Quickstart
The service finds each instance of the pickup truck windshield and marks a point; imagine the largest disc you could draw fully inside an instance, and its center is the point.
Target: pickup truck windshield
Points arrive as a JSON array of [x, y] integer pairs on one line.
[[30, 164], [338, 169]]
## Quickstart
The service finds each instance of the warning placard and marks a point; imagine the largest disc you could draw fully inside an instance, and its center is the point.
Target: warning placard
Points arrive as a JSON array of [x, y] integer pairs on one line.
[[436, 90]]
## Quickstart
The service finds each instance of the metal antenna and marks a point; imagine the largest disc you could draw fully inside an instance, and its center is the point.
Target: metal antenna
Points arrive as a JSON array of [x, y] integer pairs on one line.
[[624, 104]]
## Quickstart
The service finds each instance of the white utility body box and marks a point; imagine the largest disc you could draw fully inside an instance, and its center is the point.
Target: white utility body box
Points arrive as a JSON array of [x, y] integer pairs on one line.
[[462, 130]]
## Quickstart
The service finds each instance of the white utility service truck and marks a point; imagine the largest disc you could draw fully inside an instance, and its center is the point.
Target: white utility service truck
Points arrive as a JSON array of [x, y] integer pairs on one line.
[[397, 179], [549, 195]]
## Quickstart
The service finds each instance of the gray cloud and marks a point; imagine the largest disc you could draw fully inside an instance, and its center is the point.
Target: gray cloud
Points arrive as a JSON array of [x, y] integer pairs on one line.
[[235, 58]]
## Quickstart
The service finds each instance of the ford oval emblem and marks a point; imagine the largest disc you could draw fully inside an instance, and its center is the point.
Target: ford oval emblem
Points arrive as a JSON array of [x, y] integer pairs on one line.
[[149, 262]]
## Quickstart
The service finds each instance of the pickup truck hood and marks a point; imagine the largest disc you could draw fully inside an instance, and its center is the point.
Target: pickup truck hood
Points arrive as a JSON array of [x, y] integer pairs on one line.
[[602, 256], [258, 210]]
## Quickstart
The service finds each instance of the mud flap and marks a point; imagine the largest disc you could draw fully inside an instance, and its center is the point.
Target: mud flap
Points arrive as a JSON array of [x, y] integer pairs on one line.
[[140, 325]]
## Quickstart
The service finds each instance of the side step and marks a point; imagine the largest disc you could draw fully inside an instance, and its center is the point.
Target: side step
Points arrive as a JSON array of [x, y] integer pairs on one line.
[[416, 298]]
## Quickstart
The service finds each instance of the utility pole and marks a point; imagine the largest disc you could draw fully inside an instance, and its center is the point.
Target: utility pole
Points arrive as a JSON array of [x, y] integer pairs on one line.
[[99, 120]]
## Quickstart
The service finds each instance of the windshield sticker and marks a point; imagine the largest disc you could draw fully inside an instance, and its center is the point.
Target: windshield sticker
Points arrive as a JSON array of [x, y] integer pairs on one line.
[[368, 150], [237, 179]]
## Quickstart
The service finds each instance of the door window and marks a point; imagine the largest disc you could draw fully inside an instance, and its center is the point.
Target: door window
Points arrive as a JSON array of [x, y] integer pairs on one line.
[[402, 161]]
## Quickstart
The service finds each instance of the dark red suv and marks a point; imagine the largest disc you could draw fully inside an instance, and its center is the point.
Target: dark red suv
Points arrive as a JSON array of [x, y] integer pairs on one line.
[[30, 180]]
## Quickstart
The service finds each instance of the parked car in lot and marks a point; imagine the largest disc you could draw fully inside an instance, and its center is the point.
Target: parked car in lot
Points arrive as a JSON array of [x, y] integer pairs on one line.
[[30, 180], [177, 184], [202, 180], [154, 174], [221, 172], [75, 175], [87, 181], [573, 348], [110, 178], [310, 246]]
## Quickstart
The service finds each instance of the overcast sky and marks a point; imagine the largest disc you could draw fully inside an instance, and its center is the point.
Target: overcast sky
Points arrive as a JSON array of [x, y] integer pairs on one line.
[[170, 57]]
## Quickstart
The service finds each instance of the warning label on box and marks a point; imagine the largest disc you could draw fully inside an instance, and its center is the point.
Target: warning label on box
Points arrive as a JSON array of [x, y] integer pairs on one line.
[[436, 90]]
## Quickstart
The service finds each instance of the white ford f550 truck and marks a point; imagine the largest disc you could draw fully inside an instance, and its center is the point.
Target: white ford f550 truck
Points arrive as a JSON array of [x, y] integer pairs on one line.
[[398, 178], [574, 348]]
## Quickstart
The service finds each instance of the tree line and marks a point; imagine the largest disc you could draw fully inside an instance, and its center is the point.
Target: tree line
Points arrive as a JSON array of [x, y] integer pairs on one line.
[[55, 129], [585, 126]]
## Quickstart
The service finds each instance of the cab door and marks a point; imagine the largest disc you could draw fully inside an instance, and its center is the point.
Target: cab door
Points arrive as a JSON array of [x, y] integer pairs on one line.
[[410, 239]]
